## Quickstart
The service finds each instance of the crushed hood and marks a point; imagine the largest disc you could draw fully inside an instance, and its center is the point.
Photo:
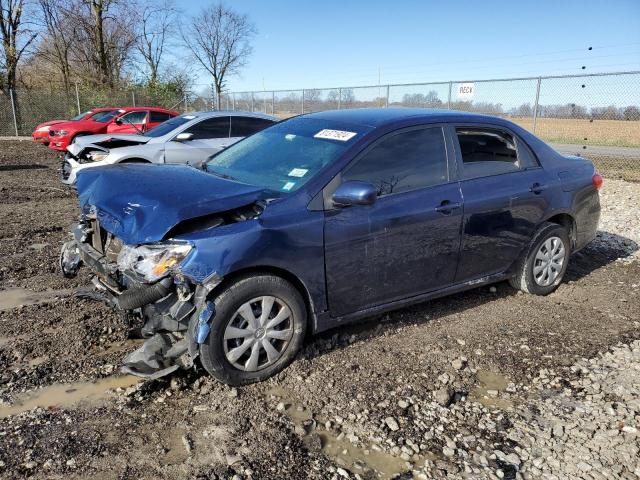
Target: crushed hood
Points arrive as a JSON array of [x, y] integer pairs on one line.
[[106, 142], [141, 203]]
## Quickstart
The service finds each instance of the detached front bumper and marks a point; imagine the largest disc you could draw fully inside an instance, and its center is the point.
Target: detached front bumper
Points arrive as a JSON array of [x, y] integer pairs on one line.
[[172, 309]]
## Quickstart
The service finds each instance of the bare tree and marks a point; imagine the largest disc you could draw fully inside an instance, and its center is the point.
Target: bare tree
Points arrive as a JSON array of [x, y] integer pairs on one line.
[[59, 37], [99, 9], [218, 38], [155, 29], [15, 37]]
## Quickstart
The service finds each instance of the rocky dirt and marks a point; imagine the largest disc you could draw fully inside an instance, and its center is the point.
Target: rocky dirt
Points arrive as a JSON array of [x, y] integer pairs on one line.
[[485, 384]]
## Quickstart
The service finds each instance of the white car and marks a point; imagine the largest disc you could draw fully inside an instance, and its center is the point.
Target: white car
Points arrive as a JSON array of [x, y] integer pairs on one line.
[[189, 139]]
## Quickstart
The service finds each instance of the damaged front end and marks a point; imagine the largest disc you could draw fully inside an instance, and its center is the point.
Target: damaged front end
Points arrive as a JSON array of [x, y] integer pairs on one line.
[[146, 282]]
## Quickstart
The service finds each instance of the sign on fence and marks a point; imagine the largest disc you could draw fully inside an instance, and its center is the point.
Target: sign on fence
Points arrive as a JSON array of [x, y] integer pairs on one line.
[[465, 91]]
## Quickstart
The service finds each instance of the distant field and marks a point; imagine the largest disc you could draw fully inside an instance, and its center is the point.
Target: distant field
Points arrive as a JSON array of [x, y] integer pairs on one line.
[[618, 133]]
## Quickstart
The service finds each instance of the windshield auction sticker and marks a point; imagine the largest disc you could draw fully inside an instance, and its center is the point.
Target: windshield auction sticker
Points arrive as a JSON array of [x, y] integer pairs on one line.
[[298, 172], [340, 135]]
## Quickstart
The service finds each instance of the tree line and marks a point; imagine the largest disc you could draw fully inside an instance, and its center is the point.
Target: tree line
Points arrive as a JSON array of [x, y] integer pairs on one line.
[[104, 44]]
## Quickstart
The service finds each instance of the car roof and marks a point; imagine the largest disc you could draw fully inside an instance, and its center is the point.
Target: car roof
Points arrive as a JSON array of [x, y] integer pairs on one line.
[[378, 117], [230, 113]]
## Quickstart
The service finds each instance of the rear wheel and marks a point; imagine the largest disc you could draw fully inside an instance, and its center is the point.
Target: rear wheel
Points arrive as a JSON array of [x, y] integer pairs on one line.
[[258, 328], [543, 268]]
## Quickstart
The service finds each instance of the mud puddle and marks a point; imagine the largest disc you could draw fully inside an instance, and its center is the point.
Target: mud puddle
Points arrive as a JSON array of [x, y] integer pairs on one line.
[[360, 460], [488, 390], [14, 297], [69, 394]]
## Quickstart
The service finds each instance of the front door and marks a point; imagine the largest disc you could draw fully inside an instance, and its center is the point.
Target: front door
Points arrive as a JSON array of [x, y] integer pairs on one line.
[[407, 242], [132, 122]]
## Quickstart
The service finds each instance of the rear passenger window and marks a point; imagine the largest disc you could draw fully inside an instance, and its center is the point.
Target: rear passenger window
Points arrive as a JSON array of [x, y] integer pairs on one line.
[[217, 127], [245, 126], [159, 117], [402, 162], [487, 152]]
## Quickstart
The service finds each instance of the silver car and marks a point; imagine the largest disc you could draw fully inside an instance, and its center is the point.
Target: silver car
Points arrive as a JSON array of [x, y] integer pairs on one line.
[[190, 138]]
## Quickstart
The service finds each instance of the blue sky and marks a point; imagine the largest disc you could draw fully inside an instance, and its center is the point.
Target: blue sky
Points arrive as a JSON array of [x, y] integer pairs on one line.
[[341, 43]]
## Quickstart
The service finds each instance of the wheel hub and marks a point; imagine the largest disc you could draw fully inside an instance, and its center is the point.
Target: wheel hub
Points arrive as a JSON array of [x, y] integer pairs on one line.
[[549, 261], [258, 333]]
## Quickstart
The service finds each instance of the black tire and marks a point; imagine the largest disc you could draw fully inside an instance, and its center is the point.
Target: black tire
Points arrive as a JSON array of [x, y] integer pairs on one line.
[[243, 290], [524, 277]]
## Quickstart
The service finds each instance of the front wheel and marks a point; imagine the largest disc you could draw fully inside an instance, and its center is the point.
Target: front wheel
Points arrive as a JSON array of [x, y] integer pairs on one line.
[[259, 326], [543, 268]]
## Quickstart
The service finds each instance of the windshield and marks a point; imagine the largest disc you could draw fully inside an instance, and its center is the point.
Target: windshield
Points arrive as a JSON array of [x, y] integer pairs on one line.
[[169, 125], [81, 116], [106, 116], [287, 155]]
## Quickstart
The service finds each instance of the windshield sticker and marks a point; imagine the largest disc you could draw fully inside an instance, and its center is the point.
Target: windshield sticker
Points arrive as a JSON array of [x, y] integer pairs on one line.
[[289, 136], [298, 172], [340, 135], [288, 186]]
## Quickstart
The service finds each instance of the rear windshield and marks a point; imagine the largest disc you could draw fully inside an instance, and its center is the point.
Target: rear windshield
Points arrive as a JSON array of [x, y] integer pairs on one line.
[[168, 126], [105, 117]]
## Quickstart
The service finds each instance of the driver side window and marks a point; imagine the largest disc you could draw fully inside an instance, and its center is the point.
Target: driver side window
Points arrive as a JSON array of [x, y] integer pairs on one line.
[[210, 128], [404, 161], [134, 117]]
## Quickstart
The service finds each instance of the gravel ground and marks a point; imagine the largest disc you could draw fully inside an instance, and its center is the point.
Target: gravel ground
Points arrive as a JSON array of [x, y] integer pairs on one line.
[[489, 383]]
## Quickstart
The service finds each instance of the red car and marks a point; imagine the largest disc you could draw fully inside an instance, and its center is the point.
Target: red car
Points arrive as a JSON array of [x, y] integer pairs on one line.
[[41, 132], [120, 120]]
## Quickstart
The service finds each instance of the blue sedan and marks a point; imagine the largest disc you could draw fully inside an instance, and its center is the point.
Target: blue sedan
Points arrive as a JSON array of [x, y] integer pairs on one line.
[[320, 220]]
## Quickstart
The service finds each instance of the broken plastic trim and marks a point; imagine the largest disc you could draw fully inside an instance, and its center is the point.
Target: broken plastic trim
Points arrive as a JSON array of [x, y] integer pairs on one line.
[[204, 322], [70, 259]]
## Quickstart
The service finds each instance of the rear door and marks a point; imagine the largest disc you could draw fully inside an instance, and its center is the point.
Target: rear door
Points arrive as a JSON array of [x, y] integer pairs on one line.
[[407, 242], [209, 136], [506, 195]]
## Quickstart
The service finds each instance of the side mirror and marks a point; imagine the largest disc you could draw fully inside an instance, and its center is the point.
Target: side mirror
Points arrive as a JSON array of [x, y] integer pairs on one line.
[[118, 121], [183, 137], [354, 192]]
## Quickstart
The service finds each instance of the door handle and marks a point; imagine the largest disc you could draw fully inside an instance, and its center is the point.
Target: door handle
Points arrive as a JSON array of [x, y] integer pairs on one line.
[[446, 207], [536, 188]]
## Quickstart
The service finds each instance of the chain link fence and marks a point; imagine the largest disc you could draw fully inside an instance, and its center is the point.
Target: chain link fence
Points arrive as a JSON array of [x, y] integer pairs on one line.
[[593, 115]]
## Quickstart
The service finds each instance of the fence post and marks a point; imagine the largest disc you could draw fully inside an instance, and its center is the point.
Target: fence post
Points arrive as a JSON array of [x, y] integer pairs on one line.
[[133, 97], [386, 103], [252, 101], [302, 101], [13, 108], [339, 98], [535, 106], [449, 98], [78, 98], [233, 101], [273, 103]]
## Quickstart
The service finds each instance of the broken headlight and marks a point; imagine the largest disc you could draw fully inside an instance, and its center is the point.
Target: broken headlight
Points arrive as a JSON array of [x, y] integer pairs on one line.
[[154, 261]]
